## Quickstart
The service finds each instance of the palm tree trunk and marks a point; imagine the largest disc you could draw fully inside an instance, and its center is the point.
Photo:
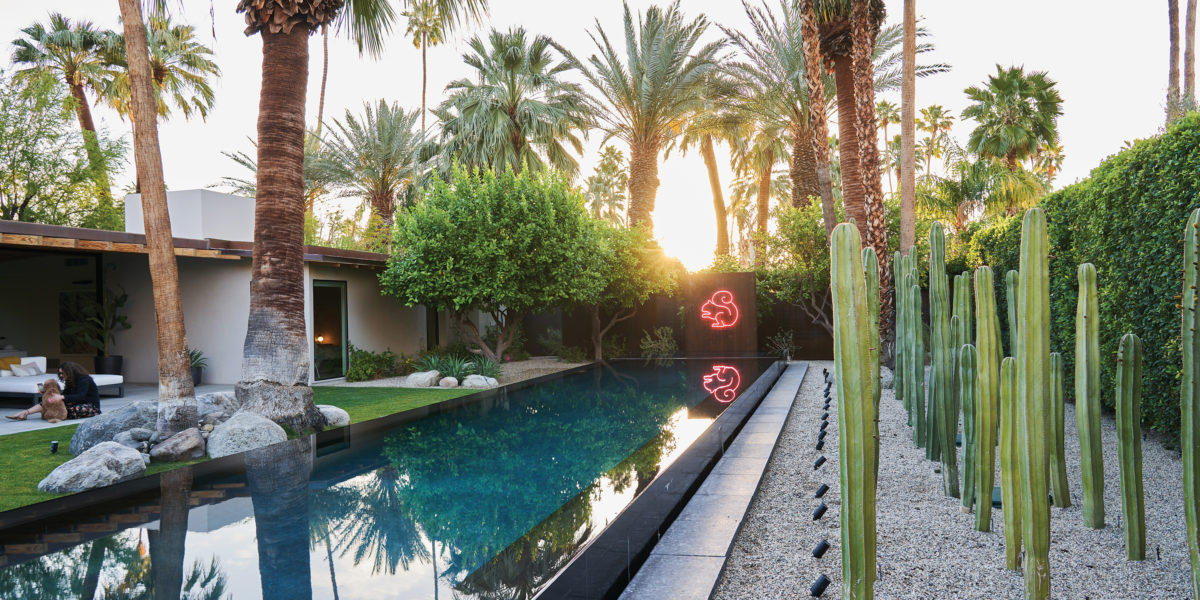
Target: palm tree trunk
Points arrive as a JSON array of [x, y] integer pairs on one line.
[[852, 187], [91, 142], [763, 208], [329, 558], [1173, 70], [324, 78], [714, 182], [803, 168], [176, 397], [276, 361], [643, 183], [1189, 55], [91, 578], [818, 129], [908, 125], [168, 543], [424, 82]]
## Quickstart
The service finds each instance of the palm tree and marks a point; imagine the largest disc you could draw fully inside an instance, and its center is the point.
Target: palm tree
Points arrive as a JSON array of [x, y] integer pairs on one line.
[[707, 126], [72, 52], [518, 111], [817, 119], [383, 531], [605, 189], [761, 148], [908, 103], [315, 183], [1189, 56], [378, 157], [645, 97], [1016, 114], [276, 359], [177, 409], [977, 186], [1173, 103], [1047, 160], [431, 21], [935, 120], [888, 113]]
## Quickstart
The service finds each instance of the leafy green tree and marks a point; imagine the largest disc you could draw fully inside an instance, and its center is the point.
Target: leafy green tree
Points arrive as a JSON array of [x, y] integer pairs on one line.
[[605, 189], [1017, 113], [633, 268], [517, 111], [505, 245], [977, 186], [797, 269]]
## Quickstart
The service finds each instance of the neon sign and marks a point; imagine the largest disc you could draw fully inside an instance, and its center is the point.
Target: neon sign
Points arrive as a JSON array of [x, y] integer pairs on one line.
[[723, 383], [720, 310]]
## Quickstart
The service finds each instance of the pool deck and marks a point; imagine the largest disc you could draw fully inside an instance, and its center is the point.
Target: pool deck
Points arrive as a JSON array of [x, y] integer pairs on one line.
[[133, 393], [687, 561]]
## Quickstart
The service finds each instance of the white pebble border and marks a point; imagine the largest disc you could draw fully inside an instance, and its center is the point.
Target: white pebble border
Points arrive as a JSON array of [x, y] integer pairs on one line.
[[927, 548]]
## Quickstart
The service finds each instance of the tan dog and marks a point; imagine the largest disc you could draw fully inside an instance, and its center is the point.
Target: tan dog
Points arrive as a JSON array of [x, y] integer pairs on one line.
[[52, 411]]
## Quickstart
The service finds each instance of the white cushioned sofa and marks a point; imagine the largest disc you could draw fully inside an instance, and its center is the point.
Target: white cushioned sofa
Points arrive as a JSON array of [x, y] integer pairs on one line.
[[12, 385]]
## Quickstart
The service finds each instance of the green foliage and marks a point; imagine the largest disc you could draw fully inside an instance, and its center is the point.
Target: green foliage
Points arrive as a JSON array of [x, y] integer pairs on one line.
[[196, 358], [661, 345], [614, 346], [366, 365], [1126, 220], [99, 322], [506, 244], [1017, 114], [551, 340], [447, 365], [571, 354], [482, 365], [606, 188], [782, 344]]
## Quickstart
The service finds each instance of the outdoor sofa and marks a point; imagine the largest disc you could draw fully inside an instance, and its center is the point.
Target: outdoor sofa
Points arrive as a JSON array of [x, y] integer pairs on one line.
[[12, 386]]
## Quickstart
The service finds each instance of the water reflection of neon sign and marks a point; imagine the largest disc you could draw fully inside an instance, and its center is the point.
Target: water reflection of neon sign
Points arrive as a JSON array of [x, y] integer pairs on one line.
[[720, 310], [723, 382]]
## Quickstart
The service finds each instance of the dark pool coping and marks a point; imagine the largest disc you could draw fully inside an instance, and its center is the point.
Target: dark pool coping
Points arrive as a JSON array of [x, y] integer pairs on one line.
[[605, 567]]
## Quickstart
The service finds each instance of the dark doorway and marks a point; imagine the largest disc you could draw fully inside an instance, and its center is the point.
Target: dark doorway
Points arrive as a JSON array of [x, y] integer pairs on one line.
[[329, 329]]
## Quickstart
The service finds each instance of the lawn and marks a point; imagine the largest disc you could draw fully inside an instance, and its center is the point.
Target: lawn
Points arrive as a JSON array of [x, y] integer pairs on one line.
[[25, 457]]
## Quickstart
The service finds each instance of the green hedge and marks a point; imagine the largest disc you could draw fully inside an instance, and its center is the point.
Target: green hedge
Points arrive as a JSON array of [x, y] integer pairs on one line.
[[1127, 218]]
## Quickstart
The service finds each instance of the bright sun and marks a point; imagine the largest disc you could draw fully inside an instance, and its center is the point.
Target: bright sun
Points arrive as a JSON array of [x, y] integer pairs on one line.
[[683, 212]]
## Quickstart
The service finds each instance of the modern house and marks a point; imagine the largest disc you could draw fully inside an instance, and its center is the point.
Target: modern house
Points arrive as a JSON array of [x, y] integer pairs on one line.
[[48, 272]]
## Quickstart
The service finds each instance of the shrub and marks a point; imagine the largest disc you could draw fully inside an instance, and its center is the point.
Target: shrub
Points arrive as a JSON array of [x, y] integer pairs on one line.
[[482, 365], [614, 346], [447, 365], [366, 365], [572, 354], [781, 344], [661, 345], [551, 340]]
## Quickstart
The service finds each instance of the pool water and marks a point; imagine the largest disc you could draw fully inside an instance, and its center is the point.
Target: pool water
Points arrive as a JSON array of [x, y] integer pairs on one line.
[[489, 500]]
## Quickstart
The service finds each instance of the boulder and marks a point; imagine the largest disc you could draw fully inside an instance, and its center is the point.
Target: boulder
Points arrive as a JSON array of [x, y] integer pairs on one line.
[[213, 419], [103, 464], [243, 431], [448, 382], [478, 381], [141, 434], [185, 445], [125, 438], [334, 416], [886, 379], [423, 379], [105, 427], [218, 402]]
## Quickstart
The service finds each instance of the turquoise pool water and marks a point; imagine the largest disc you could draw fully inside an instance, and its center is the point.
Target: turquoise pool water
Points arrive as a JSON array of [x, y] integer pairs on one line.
[[489, 500]]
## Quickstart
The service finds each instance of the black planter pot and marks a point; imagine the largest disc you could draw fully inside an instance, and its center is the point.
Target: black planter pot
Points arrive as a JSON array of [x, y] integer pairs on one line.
[[109, 365], [197, 376]]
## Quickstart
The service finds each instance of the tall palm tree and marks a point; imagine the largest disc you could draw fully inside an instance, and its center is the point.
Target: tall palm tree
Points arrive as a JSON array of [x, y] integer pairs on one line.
[[1189, 56], [646, 96], [763, 145], [818, 124], [1016, 113], [709, 125], [605, 189], [431, 21], [888, 114], [177, 409], [518, 111], [378, 157], [1047, 160], [936, 121], [1173, 103], [72, 51], [276, 361], [908, 104]]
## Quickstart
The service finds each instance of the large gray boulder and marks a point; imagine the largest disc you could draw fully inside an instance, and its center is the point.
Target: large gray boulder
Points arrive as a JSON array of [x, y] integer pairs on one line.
[[217, 402], [423, 379], [243, 431], [105, 426], [104, 464], [479, 381], [334, 416], [185, 445]]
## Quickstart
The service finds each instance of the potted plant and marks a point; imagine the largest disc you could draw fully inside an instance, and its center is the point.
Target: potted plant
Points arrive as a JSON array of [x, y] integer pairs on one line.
[[199, 361], [97, 326]]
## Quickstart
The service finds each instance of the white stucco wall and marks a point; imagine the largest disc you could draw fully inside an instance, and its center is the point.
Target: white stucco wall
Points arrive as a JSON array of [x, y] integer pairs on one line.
[[199, 214]]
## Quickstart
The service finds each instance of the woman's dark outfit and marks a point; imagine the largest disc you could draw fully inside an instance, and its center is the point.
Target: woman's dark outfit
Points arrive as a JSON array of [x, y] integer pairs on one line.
[[82, 398]]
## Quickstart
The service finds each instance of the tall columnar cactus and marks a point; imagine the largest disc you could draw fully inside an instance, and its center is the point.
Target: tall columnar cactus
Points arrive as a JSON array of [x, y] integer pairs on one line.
[[1129, 448], [856, 411], [1189, 429], [987, 407], [963, 305], [968, 359], [871, 276], [1033, 374], [1058, 459], [1010, 468], [1012, 287], [1087, 397], [898, 372], [916, 361], [942, 375]]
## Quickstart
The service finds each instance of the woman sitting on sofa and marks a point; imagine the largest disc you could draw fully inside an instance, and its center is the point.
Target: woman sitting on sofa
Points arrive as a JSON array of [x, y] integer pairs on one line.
[[80, 394]]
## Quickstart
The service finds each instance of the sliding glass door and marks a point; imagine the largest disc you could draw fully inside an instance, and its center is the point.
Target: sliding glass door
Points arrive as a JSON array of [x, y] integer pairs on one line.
[[330, 348]]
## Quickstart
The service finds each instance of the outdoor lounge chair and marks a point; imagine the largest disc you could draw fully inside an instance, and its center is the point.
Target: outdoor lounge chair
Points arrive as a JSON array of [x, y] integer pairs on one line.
[[27, 387]]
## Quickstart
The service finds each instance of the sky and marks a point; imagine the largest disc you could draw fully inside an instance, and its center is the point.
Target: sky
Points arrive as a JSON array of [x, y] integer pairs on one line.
[[1104, 54]]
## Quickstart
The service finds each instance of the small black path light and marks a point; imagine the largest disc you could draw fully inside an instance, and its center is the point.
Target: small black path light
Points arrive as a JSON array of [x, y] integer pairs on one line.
[[818, 586], [822, 546], [820, 512], [820, 444], [820, 461], [821, 491]]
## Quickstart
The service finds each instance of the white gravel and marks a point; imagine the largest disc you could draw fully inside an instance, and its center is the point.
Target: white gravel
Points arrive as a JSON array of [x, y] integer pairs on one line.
[[927, 548]]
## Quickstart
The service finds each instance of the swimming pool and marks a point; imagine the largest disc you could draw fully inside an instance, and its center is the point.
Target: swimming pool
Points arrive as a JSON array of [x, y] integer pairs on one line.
[[486, 496]]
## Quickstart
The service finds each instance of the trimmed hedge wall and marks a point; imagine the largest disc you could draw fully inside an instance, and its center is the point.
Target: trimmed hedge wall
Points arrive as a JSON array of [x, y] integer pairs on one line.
[[1127, 218]]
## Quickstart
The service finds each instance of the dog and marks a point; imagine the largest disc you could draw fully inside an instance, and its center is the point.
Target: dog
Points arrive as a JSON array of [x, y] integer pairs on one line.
[[53, 412]]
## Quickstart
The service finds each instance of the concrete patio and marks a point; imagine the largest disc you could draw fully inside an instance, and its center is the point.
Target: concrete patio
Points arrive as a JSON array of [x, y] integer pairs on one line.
[[133, 393]]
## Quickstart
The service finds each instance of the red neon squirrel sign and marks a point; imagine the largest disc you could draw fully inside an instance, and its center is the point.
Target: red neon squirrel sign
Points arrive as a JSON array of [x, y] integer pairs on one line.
[[720, 310], [723, 383]]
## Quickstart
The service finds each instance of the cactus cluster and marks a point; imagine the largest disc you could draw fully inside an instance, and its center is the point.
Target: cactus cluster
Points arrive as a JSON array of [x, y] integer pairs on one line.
[[1058, 459], [1129, 448], [987, 405], [857, 440], [1189, 405], [1087, 397]]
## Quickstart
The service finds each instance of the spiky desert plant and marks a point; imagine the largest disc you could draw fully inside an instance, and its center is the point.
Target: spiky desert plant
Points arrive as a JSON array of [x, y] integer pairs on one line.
[[1129, 444], [968, 360], [898, 371], [1087, 397], [1011, 289], [916, 364], [962, 305], [856, 411], [987, 407], [1058, 459], [942, 375], [870, 263], [1189, 429], [1010, 469], [1033, 374]]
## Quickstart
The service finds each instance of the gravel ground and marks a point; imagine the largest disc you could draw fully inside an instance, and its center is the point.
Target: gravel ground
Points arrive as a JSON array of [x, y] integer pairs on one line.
[[927, 548], [511, 372]]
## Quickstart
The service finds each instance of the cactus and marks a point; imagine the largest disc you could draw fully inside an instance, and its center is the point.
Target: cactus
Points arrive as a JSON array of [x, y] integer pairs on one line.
[[987, 406], [1058, 459], [1087, 397], [962, 305], [1129, 444], [960, 326], [871, 277], [1189, 430], [898, 372], [1033, 375], [1010, 470], [856, 411], [1011, 289], [916, 360], [942, 375], [967, 363]]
